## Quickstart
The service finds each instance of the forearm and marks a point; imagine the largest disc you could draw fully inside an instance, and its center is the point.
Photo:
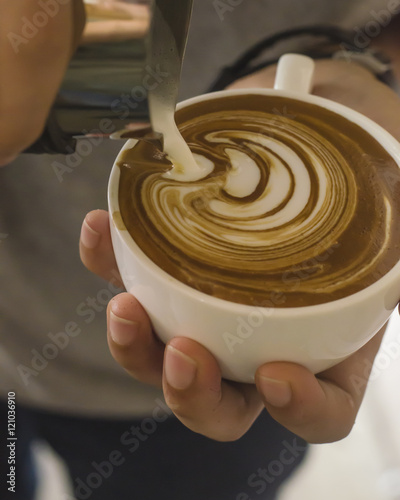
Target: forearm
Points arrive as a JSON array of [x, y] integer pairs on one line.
[[32, 68]]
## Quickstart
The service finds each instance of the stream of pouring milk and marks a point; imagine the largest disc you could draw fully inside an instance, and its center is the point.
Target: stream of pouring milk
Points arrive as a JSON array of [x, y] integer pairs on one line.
[[187, 167], [241, 180]]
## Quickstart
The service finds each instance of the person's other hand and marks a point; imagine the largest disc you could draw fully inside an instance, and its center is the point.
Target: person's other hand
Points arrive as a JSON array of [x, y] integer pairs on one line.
[[319, 408], [346, 83], [33, 61], [115, 21]]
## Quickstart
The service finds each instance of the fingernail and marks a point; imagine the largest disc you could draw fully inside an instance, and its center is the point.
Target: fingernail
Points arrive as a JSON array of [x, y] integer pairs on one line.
[[276, 392], [89, 237], [180, 369], [123, 332]]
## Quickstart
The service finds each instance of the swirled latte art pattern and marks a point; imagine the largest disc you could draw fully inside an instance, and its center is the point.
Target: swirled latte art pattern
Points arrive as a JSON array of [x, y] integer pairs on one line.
[[299, 208]]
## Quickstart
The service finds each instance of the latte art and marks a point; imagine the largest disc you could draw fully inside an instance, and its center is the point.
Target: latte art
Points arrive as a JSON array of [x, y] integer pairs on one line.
[[297, 208]]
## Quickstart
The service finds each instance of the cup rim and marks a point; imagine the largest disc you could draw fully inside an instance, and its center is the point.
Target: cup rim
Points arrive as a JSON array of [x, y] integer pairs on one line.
[[391, 145]]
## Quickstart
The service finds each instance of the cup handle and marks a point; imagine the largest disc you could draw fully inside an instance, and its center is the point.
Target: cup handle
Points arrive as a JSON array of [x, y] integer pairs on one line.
[[295, 73]]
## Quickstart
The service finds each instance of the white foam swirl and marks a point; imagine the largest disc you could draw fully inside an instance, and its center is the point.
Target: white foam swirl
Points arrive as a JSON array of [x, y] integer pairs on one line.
[[286, 218], [280, 200]]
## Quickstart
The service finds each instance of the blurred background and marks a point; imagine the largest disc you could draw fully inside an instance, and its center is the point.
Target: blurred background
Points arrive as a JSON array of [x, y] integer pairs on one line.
[[365, 465]]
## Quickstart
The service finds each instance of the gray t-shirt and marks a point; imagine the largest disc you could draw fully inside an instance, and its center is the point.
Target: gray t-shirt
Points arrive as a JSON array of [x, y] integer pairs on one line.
[[53, 350]]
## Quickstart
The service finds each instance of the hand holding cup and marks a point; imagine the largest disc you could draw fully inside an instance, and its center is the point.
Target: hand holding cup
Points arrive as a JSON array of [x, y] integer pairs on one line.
[[319, 408]]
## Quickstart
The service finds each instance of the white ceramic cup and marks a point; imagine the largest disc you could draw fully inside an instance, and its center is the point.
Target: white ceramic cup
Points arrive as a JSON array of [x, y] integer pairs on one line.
[[243, 337]]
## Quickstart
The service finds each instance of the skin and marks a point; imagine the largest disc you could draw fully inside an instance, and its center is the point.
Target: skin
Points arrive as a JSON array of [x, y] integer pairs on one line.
[[318, 408], [24, 108], [35, 72], [115, 22]]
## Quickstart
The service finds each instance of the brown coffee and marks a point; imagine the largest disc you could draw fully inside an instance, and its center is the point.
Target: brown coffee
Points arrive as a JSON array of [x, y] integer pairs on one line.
[[301, 208]]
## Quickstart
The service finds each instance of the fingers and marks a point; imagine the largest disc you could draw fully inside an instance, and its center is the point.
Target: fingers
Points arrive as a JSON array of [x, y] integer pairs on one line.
[[318, 409], [193, 389], [96, 249], [188, 373], [116, 21], [114, 31], [131, 340], [34, 55]]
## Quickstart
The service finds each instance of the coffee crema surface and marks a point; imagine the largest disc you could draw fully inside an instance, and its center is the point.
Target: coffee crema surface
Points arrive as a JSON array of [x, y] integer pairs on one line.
[[301, 207]]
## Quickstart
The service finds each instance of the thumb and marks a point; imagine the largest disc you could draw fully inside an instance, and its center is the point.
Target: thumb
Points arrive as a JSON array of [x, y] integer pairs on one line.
[[321, 408], [315, 409]]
